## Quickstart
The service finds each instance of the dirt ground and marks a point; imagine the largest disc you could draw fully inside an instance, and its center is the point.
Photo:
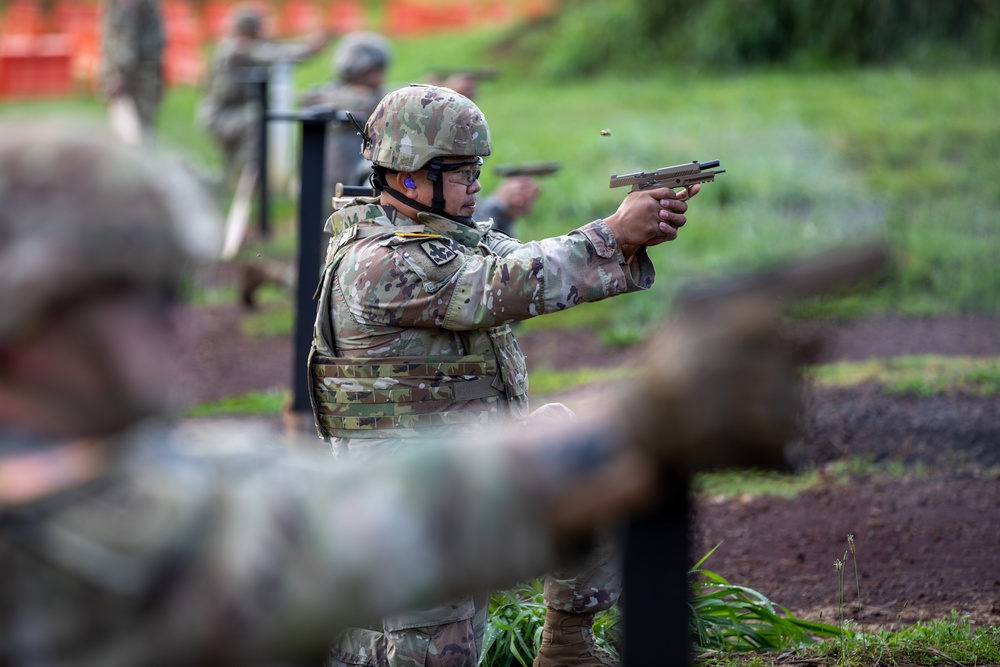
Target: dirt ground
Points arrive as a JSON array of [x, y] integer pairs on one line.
[[926, 543]]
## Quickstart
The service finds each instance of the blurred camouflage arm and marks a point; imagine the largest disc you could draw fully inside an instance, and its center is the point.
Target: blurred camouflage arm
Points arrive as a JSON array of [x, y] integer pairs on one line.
[[274, 555]]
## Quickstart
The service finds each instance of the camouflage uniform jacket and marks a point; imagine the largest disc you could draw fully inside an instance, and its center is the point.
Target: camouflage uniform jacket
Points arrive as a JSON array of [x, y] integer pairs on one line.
[[133, 47], [181, 556], [413, 323]]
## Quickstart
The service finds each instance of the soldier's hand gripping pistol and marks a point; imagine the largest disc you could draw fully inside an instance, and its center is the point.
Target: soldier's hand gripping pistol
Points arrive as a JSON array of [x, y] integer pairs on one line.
[[679, 176]]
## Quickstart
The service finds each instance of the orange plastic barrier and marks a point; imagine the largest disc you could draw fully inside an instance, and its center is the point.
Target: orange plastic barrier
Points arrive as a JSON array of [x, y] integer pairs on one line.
[[300, 17], [409, 17], [347, 17], [82, 23], [23, 17], [216, 17], [183, 60], [35, 66]]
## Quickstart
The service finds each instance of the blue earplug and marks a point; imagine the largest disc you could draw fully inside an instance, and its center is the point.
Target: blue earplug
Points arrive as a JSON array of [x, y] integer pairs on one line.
[[409, 183]]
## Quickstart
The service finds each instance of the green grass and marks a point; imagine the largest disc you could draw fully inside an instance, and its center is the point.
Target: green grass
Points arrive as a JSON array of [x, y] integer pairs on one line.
[[252, 403], [917, 375], [724, 616], [743, 483], [545, 381], [947, 641]]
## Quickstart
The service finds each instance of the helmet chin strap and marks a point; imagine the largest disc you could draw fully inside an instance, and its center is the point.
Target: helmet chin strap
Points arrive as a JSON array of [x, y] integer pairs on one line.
[[435, 171]]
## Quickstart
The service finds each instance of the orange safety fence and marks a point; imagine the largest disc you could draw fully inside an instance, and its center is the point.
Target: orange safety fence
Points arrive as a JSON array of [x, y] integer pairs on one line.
[[35, 66], [33, 62], [81, 21], [347, 16], [183, 62], [52, 53]]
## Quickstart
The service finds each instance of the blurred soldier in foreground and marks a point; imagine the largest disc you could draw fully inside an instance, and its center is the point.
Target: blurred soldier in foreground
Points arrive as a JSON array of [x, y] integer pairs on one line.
[[230, 110], [133, 66], [121, 547], [413, 331]]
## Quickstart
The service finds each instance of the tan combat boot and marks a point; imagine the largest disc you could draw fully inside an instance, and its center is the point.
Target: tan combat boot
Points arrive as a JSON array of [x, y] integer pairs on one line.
[[568, 641]]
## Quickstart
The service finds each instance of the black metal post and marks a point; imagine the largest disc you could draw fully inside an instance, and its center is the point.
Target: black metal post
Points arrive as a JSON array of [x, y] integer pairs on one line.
[[264, 197], [310, 237], [312, 163], [656, 594]]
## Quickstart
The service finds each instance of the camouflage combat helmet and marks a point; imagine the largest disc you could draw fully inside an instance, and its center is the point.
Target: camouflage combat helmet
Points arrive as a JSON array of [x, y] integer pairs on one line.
[[82, 211], [412, 126], [359, 53], [248, 20]]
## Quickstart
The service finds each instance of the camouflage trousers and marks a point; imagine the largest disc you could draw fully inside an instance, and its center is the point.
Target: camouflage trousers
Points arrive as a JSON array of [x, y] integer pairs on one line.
[[451, 634], [147, 93], [594, 586], [236, 134]]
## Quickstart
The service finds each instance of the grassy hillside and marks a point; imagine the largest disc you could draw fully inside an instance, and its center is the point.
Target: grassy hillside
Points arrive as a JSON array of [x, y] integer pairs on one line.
[[812, 159]]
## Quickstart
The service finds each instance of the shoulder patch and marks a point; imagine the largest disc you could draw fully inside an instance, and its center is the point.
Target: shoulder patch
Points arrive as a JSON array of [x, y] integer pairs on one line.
[[439, 251]]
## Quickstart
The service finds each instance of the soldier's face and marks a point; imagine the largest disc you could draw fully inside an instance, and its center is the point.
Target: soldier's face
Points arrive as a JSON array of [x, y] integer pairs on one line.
[[460, 188]]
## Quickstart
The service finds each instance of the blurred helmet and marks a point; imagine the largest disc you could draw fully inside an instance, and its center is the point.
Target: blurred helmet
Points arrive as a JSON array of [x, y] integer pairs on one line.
[[359, 53], [248, 20], [82, 211], [416, 124]]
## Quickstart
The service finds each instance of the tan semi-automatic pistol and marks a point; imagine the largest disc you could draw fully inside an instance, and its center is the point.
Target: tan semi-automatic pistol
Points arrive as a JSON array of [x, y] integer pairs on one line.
[[681, 176]]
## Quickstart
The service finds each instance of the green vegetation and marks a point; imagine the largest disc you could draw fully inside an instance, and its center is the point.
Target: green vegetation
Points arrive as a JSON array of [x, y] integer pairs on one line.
[[252, 403], [720, 33], [813, 159], [724, 617], [545, 381], [949, 641], [728, 484], [923, 376]]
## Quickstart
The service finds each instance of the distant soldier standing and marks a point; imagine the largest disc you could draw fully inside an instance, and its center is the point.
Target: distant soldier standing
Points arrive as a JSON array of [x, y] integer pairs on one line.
[[133, 62], [413, 332], [230, 110], [359, 65]]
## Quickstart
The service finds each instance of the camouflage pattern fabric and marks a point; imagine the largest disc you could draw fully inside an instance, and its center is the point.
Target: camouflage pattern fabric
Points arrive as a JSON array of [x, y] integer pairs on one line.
[[431, 288], [593, 586], [132, 62], [222, 551], [413, 125], [230, 110]]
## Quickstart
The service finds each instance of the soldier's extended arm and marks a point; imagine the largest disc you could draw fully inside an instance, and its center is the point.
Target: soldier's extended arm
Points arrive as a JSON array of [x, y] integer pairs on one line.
[[679, 176], [476, 74], [527, 169]]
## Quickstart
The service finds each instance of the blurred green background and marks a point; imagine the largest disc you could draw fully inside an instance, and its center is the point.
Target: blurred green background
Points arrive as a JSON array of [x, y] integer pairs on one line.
[[836, 122]]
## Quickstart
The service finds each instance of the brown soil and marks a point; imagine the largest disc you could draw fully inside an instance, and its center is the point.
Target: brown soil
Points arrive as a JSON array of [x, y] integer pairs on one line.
[[926, 543]]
